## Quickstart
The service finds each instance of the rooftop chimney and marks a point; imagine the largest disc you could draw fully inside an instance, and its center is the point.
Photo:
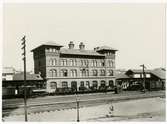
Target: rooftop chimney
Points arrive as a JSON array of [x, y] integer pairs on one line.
[[71, 45], [81, 46]]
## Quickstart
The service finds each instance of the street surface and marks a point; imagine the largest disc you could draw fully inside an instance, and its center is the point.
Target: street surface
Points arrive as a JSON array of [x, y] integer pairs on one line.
[[150, 109]]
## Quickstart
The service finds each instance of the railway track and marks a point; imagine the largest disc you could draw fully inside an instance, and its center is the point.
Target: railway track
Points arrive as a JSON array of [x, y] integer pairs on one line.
[[43, 106]]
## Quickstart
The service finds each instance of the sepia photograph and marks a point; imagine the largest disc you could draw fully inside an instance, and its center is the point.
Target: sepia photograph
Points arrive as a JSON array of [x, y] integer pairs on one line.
[[84, 62]]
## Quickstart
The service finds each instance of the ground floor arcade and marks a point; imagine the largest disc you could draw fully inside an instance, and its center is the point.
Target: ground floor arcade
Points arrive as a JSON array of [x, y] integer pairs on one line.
[[79, 84]]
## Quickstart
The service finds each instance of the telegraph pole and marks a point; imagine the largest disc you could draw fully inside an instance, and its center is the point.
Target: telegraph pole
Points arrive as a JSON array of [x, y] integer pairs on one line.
[[25, 88], [144, 77]]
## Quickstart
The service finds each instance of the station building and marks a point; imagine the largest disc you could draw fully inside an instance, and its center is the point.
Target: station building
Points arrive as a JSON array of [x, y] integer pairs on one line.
[[74, 68]]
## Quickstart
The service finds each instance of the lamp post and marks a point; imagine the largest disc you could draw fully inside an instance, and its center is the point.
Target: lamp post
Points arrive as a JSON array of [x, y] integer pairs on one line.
[[77, 106], [144, 77], [25, 89]]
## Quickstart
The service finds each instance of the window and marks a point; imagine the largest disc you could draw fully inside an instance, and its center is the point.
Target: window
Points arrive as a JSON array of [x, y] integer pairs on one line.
[[54, 50], [75, 62], [50, 62], [102, 63], [103, 83], [94, 72], [53, 85], [47, 49], [87, 72], [64, 73], [94, 62], [94, 83], [102, 72], [81, 62], [54, 62], [71, 62], [63, 62], [111, 83], [53, 73], [64, 84], [86, 63], [74, 86], [83, 72], [110, 63], [73, 73], [87, 83], [82, 83], [110, 73], [50, 50]]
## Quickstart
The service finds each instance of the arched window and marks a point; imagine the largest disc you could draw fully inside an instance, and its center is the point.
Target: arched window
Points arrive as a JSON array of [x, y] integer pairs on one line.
[[54, 50], [64, 84], [92, 63], [63, 62], [82, 84], [64, 73], [84, 72], [87, 72], [54, 62], [103, 83], [82, 62], [102, 72], [95, 63], [50, 73], [73, 72], [74, 86], [94, 84], [110, 63], [50, 50], [94, 72], [111, 83], [50, 62], [71, 62], [102, 63], [53, 73], [75, 62], [110, 73]]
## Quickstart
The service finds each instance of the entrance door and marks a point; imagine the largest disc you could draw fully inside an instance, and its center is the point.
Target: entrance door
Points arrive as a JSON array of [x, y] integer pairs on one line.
[[74, 86]]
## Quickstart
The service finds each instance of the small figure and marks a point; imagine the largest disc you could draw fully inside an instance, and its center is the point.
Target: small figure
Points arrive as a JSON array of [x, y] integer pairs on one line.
[[111, 109]]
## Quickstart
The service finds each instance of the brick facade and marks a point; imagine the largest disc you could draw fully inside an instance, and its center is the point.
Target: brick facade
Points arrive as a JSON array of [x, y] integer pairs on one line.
[[65, 67]]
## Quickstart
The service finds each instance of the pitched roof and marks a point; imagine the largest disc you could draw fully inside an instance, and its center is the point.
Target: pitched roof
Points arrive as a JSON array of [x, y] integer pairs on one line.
[[20, 76], [49, 43], [105, 48], [8, 70], [139, 70], [161, 73], [121, 76], [80, 52]]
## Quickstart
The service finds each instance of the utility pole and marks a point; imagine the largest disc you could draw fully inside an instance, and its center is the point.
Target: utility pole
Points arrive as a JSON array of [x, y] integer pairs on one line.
[[25, 88], [144, 77]]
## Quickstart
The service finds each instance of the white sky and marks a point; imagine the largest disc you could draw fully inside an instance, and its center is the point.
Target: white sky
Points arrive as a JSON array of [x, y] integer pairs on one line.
[[136, 30]]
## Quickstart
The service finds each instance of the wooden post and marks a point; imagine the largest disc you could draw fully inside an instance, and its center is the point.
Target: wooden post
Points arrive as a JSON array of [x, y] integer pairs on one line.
[[25, 89], [144, 77]]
